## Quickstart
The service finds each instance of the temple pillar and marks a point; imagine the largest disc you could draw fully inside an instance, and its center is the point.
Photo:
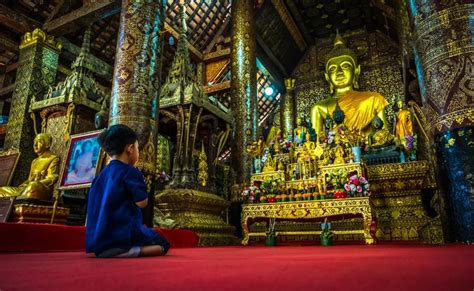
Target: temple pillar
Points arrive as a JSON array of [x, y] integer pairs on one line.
[[444, 56], [243, 87], [287, 109], [131, 95], [132, 90], [38, 62]]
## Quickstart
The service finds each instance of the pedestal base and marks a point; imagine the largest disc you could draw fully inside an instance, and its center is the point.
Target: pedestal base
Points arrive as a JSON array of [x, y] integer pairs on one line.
[[198, 211], [397, 200], [32, 213]]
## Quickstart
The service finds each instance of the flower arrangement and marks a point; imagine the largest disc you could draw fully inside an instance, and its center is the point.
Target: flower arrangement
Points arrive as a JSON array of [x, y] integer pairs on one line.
[[409, 143], [286, 144], [357, 186], [252, 194], [163, 177]]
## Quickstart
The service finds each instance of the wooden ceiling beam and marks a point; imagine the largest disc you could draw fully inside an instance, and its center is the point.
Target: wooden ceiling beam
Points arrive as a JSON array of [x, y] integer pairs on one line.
[[217, 88], [6, 90], [195, 54], [6, 43], [16, 21], [219, 32], [83, 16], [217, 55], [271, 56], [290, 24]]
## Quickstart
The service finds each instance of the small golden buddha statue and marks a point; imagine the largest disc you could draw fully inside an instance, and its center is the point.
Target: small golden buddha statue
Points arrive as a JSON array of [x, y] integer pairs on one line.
[[404, 123], [342, 73], [43, 173], [299, 133], [380, 136], [269, 165], [308, 144]]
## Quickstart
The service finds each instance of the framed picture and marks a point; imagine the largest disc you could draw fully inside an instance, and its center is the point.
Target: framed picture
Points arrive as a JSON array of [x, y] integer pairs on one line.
[[83, 161], [8, 161]]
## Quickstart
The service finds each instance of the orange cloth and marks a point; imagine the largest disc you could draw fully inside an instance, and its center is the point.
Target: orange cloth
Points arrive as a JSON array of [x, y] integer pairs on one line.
[[404, 124], [360, 108]]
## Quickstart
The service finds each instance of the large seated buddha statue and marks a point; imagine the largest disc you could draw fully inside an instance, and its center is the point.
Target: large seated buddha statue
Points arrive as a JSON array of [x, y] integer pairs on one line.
[[43, 173], [360, 108]]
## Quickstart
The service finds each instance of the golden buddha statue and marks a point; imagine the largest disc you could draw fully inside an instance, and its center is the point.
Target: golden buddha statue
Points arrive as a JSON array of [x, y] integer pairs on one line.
[[404, 123], [43, 173], [380, 135], [299, 133], [360, 108]]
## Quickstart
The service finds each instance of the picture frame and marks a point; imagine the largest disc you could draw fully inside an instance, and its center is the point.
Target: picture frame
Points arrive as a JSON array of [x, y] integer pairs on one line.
[[8, 162], [83, 161]]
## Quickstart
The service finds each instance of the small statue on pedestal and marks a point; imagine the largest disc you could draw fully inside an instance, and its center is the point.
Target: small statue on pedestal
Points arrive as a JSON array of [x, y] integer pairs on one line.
[[404, 129], [379, 136], [43, 173], [299, 134]]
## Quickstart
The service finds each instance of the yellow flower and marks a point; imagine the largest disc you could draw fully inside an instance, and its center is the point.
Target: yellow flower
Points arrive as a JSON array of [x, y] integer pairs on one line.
[[451, 141]]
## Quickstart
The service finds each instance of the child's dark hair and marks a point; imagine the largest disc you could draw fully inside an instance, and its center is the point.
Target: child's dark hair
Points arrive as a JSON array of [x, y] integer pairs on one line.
[[114, 139]]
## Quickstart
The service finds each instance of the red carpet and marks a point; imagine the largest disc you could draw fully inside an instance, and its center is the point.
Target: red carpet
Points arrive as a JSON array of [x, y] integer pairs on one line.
[[30, 237], [380, 267]]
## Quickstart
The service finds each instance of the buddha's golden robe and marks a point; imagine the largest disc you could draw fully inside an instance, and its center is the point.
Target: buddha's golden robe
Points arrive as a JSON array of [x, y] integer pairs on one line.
[[360, 108]]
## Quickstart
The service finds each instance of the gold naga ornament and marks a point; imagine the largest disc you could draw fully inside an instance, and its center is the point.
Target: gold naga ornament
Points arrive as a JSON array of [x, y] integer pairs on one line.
[[360, 108], [44, 173], [202, 168]]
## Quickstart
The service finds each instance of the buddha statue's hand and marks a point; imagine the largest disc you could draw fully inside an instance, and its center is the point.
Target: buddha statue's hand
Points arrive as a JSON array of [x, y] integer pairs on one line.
[[35, 190]]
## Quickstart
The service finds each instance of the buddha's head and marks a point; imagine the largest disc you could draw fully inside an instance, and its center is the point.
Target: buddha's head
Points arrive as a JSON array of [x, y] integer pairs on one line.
[[400, 104], [342, 70], [42, 143], [299, 121]]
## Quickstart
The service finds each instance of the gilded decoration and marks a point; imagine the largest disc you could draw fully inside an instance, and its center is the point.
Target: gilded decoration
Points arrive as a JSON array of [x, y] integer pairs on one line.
[[243, 86], [197, 211], [31, 213], [396, 196], [36, 71], [38, 35], [309, 210]]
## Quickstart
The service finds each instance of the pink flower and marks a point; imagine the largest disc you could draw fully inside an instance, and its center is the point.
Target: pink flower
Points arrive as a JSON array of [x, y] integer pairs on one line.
[[347, 187], [359, 189], [356, 182], [362, 180]]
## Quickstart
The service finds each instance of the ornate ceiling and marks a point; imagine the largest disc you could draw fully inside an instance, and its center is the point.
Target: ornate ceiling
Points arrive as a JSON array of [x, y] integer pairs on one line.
[[285, 29]]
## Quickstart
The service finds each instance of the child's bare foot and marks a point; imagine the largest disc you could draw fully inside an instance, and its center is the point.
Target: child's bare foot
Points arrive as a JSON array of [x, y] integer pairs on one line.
[[154, 250]]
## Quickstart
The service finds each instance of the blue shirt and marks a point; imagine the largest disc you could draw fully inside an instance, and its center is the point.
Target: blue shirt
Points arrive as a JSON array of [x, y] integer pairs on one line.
[[113, 218]]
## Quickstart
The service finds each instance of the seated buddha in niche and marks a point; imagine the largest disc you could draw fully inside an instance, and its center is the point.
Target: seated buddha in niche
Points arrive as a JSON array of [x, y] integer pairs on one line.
[[43, 173], [360, 108]]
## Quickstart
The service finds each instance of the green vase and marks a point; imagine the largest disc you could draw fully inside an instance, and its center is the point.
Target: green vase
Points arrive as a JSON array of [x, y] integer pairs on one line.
[[271, 240], [326, 241]]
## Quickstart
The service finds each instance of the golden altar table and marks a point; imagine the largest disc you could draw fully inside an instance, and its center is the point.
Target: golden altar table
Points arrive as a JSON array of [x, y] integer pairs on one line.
[[308, 210]]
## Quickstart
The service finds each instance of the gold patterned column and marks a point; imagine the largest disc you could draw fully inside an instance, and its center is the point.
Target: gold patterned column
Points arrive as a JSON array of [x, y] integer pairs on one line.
[[243, 86], [287, 111], [444, 56], [36, 71], [131, 95]]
